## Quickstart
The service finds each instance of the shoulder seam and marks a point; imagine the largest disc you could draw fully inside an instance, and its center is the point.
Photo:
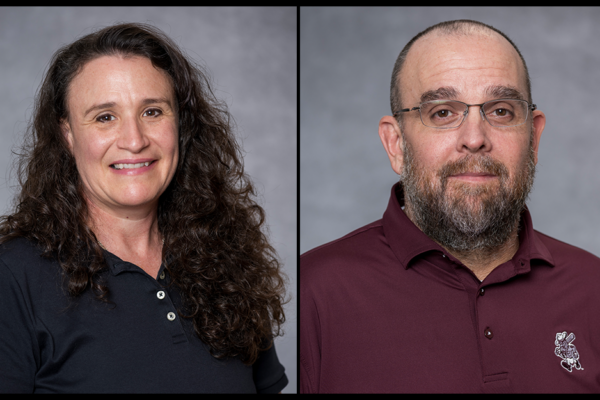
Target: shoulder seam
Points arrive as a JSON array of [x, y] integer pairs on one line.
[[347, 236], [564, 243]]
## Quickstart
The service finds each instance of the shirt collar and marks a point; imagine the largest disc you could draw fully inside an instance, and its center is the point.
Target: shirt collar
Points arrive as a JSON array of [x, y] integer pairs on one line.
[[407, 241], [116, 265]]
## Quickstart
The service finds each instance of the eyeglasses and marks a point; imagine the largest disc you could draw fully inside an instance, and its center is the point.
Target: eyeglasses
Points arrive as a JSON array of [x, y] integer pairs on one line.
[[448, 114]]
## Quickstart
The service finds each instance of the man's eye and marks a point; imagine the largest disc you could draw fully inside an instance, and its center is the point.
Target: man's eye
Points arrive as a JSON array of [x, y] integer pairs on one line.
[[442, 113], [105, 118], [501, 112]]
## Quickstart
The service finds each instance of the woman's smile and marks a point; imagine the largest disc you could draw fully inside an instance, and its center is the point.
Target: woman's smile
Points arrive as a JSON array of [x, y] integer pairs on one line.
[[127, 167]]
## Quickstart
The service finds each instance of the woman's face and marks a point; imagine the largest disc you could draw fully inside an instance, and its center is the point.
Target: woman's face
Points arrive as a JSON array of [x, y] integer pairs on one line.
[[123, 132]]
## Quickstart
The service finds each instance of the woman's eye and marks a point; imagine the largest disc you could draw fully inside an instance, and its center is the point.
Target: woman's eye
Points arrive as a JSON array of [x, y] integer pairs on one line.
[[105, 118], [152, 112]]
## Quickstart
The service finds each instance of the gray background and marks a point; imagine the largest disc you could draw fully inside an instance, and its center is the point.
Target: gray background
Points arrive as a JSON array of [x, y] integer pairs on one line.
[[346, 61], [251, 54]]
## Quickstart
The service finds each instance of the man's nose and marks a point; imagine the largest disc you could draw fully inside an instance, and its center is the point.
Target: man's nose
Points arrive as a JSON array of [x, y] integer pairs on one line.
[[474, 131]]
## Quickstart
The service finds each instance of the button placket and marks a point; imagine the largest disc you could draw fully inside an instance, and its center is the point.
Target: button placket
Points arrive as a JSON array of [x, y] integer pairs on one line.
[[167, 311], [161, 296]]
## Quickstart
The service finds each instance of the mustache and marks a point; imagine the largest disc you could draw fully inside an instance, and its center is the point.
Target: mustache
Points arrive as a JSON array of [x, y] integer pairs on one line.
[[477, 164]]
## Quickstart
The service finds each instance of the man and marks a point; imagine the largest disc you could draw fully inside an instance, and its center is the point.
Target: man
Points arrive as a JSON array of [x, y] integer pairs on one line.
[[453, 290]]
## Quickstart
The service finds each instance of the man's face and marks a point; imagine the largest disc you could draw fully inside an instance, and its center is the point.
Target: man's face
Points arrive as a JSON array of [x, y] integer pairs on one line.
[[473, 177]]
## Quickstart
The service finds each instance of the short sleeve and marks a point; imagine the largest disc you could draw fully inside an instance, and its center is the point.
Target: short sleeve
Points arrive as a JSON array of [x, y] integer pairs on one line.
[[17, 337], [268, 373]]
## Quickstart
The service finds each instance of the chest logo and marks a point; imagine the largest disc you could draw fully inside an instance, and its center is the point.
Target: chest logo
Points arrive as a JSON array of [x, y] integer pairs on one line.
[[567, 351]]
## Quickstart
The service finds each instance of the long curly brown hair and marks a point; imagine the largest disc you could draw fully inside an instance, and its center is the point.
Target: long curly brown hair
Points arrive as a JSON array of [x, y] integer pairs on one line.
[[215, 249]]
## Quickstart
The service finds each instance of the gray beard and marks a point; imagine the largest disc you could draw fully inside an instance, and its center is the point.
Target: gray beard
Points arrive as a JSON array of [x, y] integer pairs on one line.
[[473, 218]]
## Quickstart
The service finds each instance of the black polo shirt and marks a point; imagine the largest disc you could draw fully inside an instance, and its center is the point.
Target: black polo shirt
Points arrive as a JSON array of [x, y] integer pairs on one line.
[[386, 309], [52, 343]]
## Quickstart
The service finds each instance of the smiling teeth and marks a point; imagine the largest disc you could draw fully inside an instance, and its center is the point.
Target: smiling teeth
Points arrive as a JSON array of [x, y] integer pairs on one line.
[[131, 166]]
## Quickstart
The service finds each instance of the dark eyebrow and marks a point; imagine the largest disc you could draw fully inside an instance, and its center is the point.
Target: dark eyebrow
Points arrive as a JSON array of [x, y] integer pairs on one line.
[[99, 106], [145, 102], [443, 93], [160, 100], [503, 92]]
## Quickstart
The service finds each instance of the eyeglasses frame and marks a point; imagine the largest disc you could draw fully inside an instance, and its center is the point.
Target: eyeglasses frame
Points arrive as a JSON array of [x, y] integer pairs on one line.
[[533, 107]]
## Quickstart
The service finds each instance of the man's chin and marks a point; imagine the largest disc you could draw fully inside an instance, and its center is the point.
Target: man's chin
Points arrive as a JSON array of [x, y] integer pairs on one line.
[[471, 190], [469, 207]]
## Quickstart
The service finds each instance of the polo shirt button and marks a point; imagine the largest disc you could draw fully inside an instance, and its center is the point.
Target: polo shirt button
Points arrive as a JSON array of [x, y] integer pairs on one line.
[[160, 295], [481, 292], [488, 333], [171, 316], [162, 275]]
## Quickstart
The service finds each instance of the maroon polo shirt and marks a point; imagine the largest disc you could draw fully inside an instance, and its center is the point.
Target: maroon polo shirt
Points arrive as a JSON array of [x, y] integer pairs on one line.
[[386, 309]]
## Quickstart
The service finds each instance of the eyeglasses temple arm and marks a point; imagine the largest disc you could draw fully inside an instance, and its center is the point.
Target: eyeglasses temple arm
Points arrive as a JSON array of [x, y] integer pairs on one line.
[[406, 110]]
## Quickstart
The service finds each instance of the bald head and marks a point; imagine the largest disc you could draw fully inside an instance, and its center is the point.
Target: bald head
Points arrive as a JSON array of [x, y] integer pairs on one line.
[[447, 29]]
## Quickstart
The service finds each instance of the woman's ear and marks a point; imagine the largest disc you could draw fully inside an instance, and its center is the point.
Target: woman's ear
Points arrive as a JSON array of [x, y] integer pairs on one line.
[[67, 132]]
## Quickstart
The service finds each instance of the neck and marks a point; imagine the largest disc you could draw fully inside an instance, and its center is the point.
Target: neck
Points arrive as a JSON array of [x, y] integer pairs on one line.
[[481, 261], [130, 236], [484, 261]]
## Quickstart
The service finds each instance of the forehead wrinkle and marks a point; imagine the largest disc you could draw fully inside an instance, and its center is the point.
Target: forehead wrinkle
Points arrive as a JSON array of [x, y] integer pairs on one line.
[[461, 68], [441, 64]]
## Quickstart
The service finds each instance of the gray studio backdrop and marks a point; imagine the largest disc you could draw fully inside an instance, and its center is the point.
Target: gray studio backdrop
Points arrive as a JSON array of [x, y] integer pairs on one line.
[[251, 54], [346, 61]]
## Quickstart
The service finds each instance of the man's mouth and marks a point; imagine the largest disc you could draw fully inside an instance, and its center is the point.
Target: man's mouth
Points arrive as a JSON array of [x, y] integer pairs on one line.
[[473, 175], [131, 166], [482, 169]]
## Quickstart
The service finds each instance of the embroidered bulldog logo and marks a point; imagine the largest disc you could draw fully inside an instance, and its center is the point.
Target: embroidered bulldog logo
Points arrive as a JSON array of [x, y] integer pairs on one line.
[[567, 351]]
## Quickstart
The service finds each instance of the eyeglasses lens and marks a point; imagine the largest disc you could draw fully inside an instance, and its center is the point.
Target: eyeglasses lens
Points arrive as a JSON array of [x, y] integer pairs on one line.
[[505, 112], [445, 114]]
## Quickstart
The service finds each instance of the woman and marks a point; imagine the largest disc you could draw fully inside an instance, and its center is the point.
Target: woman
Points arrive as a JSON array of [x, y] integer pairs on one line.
[[134, 260]]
